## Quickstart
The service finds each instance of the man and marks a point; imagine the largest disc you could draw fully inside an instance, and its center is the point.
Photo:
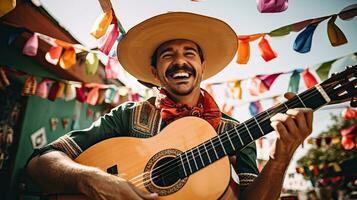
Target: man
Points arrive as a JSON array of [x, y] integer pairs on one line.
[[175, 51]]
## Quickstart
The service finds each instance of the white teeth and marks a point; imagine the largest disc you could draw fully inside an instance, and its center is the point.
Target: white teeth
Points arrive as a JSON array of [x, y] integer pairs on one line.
[[181, 74]]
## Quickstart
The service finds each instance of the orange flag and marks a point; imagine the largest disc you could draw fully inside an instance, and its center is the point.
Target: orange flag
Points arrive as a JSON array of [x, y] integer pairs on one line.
[[101, 24]]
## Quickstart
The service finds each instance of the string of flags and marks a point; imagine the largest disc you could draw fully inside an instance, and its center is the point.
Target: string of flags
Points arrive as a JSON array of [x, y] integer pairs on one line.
[[260, 84], [108, 31], [315, 170], [91, 93], [303, 41]]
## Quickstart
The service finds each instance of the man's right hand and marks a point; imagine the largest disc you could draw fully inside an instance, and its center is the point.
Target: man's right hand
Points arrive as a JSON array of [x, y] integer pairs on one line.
[[100, 186]]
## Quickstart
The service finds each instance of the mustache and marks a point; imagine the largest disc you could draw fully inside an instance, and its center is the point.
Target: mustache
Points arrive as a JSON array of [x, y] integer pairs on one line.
[[177, 67]]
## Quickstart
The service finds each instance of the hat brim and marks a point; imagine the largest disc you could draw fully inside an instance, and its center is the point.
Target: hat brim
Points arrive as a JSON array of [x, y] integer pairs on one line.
[[217, 40]]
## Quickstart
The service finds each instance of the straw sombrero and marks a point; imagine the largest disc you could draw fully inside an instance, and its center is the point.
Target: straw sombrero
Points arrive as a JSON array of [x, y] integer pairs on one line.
[[217, 40]]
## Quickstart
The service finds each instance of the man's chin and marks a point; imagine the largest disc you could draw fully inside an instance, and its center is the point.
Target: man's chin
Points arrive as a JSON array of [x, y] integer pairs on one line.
[[181, 92]]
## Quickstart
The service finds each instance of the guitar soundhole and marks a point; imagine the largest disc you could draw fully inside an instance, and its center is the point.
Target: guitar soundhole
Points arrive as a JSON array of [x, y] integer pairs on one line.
[[162, 173], [165, 173]]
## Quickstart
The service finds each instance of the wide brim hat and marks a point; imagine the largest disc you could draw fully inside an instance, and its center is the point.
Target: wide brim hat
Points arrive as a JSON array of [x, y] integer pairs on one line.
[[217, 40]]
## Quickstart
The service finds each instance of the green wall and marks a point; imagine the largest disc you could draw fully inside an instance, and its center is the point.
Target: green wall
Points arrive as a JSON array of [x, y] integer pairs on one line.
[[37, 113]]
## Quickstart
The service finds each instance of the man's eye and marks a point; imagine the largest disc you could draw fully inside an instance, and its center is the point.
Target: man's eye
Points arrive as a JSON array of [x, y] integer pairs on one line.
[[166, 56], [190, 53]]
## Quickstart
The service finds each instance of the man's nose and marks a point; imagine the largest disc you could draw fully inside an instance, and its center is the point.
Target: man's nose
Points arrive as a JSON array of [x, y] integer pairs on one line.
[[180, 60]]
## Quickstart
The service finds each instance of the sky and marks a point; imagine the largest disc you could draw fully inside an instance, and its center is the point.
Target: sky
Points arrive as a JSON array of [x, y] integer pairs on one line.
[[78, 17]]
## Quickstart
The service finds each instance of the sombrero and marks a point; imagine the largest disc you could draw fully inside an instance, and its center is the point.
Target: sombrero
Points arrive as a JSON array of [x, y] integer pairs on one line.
[[217, 40]]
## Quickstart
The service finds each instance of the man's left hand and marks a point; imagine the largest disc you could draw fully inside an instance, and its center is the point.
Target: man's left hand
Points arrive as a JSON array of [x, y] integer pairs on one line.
[[292, 128]]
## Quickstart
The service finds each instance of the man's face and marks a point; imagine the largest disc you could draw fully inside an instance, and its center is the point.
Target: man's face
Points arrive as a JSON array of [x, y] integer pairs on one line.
[[179, 67]]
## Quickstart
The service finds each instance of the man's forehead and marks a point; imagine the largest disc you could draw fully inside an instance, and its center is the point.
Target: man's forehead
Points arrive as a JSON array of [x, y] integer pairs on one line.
[[170, 43]]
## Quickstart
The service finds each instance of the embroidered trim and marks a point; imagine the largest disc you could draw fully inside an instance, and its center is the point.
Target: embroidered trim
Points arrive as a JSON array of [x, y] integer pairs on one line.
[[246, 178], [226, 124], [144, 118], [68, 146]]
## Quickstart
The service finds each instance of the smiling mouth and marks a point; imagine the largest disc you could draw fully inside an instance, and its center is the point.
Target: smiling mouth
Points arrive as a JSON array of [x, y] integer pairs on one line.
[[180, 75]]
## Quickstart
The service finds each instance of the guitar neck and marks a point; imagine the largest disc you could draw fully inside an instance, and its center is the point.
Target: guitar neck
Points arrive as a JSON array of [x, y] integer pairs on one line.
[[245, 133]]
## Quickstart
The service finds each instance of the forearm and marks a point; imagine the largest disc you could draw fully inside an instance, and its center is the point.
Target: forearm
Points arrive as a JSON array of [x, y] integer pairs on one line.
[[268, 184], [55, 172]]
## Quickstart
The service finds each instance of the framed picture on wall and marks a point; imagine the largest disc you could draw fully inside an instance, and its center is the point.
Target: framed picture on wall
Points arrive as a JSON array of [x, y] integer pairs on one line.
[[38, 138]]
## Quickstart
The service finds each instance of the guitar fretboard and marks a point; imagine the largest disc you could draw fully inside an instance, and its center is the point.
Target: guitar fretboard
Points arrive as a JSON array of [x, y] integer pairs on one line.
[[243, 134]]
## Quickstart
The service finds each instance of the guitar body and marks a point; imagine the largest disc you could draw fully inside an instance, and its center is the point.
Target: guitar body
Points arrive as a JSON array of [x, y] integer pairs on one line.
[[134, 156]]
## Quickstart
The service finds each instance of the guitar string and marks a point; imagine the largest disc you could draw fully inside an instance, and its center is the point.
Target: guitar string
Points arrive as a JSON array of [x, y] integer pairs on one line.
[[171, 163], [195, 156]]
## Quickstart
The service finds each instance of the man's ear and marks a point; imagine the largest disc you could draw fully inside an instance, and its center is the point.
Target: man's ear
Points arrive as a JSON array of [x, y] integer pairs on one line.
[[154, 72], [203, 66]]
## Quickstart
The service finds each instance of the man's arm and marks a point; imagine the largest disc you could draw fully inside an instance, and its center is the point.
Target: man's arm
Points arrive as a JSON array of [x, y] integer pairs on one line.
[[56, 173], [292, 128]]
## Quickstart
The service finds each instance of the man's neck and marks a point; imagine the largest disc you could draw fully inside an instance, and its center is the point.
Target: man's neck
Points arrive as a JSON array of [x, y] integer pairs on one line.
[[189, 100]]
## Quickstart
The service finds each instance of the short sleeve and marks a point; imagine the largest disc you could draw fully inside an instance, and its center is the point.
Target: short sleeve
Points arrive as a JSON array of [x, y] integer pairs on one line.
[[113, 124], [247, 169]]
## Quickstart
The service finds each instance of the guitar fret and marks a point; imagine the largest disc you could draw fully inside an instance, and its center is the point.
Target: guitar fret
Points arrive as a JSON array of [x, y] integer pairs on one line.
[[224, 150], [268, 114], [183, 165], [209, 158], [248, 131], [259, 125], [199, 153], [287, 108], [189, 165], [240, 139], [230, 141], [193, 156], [214, 149], [301, 101]]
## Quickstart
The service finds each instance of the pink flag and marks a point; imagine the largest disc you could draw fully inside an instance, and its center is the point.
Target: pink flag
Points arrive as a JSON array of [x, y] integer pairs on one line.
[[31, 46], [112, 68], [272, 6], [106, 42], [268, 80]]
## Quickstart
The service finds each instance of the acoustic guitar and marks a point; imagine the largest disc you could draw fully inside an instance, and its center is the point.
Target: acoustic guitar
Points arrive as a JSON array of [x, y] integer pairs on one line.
[[188, 160]]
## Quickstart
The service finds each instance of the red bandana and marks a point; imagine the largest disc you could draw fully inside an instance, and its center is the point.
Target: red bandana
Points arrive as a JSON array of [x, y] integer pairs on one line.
[[206, 109]]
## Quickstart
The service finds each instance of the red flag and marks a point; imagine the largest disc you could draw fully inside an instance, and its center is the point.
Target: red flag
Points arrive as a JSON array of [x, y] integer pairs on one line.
[[308, 78]]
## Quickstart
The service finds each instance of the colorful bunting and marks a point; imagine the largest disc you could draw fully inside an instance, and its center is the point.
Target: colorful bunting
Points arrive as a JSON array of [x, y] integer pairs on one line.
[[294, 82], [272, 6], [101, 24], [29, 86], [349, 12], [237, 90], [93, 96], [303, 41], [244, 47], [68, 58], [335, 34], [92, 63], [4, 81], [31, 46], [106, 42], [324, 69], [308, 78], [348, 136], [255, 108], [268, 80], [70, 92], [81, 94], [348, 113], [112, 68], [43, 88], [6, 6], [53, 55], [265, 50]]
